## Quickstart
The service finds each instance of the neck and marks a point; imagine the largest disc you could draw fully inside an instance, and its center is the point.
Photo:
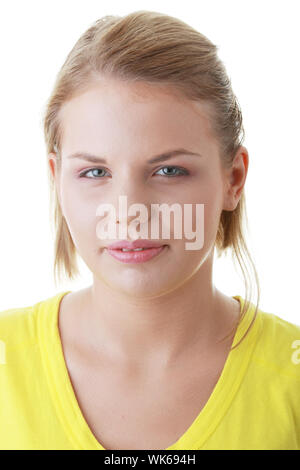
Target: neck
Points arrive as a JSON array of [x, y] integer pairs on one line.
[[154, 332]]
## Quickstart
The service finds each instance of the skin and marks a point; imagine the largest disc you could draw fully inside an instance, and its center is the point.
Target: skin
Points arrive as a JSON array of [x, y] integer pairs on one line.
[[144, 317]]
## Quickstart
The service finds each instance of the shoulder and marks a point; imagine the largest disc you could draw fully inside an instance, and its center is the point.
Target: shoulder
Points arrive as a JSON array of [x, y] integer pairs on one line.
[[16, 323], [19, 326], [278, 347], [278, 330]]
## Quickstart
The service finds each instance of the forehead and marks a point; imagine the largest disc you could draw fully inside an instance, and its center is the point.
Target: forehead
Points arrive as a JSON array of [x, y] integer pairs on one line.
[[139, 113]]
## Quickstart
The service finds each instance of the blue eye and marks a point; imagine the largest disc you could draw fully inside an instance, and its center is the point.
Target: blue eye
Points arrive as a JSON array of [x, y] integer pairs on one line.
[[182, 172], [84, 173]]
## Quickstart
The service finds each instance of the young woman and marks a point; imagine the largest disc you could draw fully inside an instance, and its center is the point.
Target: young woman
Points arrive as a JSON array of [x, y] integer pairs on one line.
[[151, 355]]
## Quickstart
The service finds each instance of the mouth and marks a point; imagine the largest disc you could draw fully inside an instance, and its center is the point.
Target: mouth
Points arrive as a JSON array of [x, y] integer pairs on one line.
[[136, 255]]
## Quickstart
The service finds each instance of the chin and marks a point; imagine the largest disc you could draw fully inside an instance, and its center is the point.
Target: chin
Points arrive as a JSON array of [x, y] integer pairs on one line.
[[139, 288]]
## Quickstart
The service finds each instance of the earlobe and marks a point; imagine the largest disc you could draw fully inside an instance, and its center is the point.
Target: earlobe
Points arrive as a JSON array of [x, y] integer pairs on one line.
[[231, 203]]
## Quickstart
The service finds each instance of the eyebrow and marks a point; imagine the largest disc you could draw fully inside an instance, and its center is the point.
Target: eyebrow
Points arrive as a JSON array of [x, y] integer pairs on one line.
[[157, 158]]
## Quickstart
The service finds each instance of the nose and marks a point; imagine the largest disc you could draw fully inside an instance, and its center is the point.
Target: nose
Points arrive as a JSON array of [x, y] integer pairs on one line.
[[127, 211], [130, 199]]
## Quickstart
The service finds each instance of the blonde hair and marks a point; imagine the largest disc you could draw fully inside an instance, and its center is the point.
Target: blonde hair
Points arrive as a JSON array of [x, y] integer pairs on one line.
[[160, 50]]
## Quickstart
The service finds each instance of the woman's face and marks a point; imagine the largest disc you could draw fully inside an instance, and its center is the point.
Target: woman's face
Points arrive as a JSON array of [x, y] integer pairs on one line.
[[128, 125]]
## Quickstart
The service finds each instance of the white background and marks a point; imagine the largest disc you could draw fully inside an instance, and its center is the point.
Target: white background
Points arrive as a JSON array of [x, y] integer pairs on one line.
[[258, 41]]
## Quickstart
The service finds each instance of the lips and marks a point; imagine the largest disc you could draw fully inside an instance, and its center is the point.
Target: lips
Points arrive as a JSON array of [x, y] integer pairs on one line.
[[135, 244], [137, 256], [151, 250]]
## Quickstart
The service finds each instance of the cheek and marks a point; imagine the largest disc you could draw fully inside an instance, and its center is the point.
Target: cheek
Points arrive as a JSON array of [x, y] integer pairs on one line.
[[79, 211], [211, 197]]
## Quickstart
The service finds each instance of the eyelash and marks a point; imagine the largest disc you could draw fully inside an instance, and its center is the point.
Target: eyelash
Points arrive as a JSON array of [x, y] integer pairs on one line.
[[184, 172]]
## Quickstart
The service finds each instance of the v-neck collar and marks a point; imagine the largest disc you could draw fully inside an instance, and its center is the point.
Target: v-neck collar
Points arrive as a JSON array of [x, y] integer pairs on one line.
[[67, 406]]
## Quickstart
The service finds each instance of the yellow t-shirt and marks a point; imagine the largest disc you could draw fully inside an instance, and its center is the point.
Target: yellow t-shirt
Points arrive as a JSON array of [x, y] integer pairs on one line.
[[254, 405]]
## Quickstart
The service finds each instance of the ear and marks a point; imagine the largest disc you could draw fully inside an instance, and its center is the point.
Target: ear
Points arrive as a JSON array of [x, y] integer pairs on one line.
[[236, 178], [53, 164]]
